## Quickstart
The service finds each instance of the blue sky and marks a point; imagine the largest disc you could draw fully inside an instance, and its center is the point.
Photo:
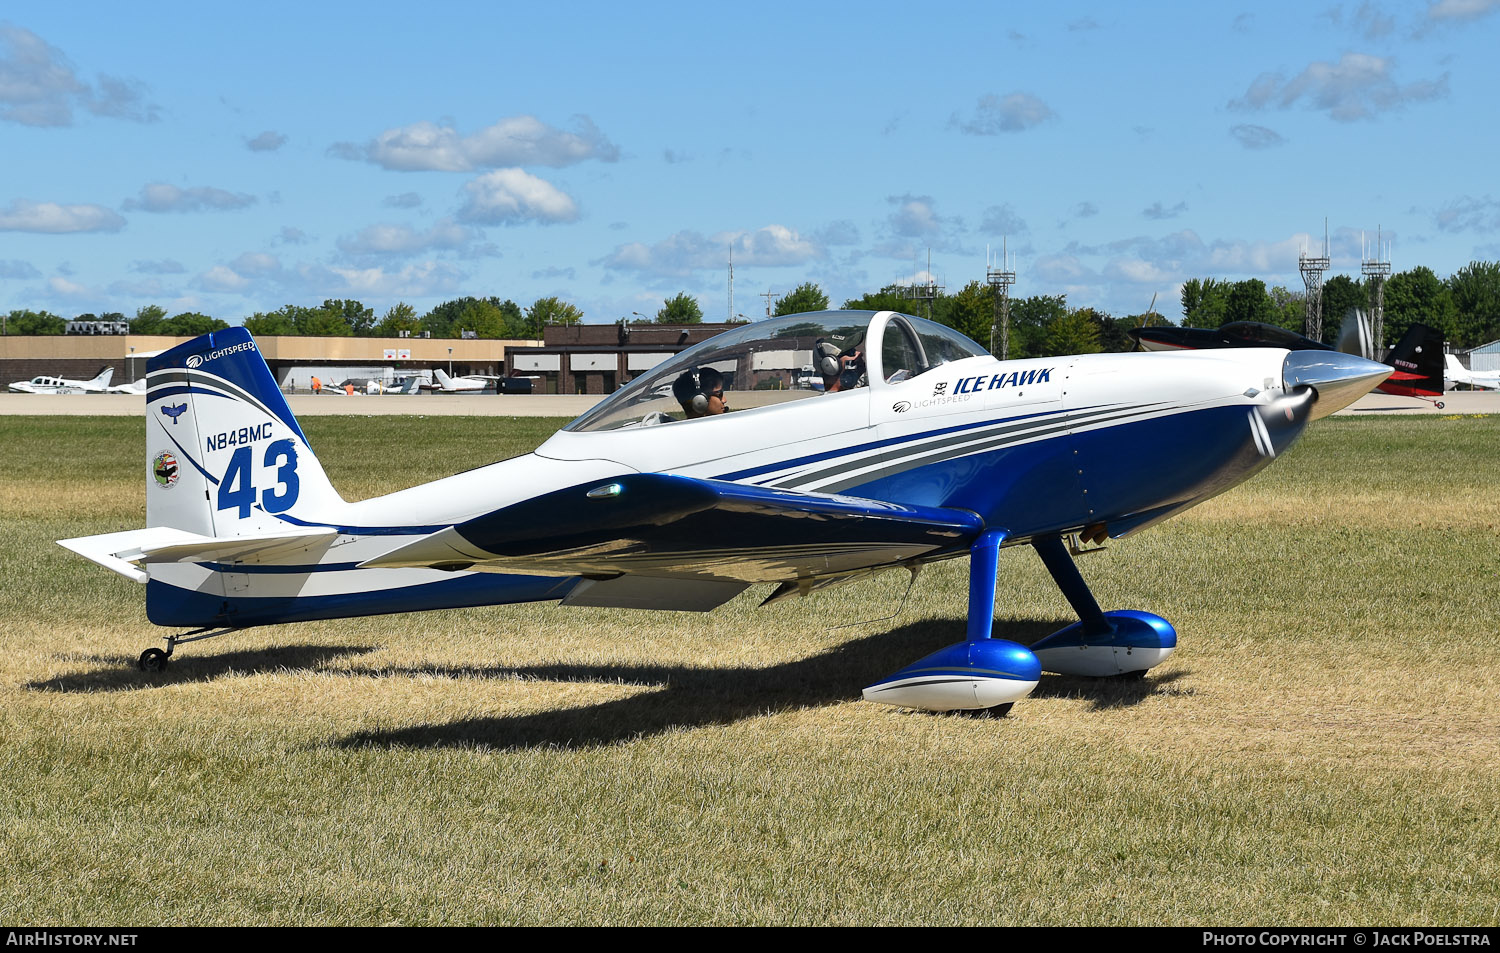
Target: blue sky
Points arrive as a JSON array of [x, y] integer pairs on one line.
[[232, 159]]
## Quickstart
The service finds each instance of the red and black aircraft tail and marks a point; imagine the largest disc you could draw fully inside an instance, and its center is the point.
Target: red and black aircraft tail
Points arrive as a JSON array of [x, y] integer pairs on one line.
[[1418, 360]]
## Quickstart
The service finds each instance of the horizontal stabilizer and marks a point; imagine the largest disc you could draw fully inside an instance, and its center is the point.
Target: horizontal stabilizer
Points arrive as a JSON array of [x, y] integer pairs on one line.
[[125, 553], [675, 526]]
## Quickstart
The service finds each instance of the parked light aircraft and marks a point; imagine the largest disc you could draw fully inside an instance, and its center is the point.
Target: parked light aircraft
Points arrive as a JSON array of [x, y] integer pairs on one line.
[[936, 450], [1456, 373], [137, 387], [472, 384], [62, 385]]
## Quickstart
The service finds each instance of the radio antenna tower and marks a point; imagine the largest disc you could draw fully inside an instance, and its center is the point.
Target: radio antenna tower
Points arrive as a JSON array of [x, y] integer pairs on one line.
[[925, 293], [1312, 278], [1000, 279], [1376, 270]]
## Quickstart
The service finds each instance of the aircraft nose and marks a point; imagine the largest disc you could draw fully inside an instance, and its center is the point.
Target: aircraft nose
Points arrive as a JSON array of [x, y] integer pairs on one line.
[[1339, 379]]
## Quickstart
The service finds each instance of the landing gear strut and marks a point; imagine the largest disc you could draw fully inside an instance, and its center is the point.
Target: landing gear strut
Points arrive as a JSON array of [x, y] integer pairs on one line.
[[1122, 643], [982, 675], [155, 660]]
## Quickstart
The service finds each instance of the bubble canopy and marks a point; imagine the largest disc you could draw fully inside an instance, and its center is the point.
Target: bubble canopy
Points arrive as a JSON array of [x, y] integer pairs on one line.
[[782, 359]]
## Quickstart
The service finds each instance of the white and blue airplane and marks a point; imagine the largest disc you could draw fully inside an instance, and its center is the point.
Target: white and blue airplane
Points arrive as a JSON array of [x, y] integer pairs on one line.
[[61, 385], [923, 447]]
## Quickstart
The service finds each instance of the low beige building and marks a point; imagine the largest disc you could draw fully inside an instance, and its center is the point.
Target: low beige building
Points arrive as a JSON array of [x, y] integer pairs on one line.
[[83, 356]]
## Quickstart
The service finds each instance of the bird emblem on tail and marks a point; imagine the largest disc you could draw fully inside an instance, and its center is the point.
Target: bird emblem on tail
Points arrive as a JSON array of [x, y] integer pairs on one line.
[[175, 412]]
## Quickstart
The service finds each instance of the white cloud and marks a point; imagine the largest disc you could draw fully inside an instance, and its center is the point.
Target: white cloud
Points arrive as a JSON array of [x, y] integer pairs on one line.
[[1002, 220], [1256, 257], [1063, 269], [1371, 21], [515, 141], [63, 288], [223, 278], [256, 264], [386, 239], [1257, 137], [685, 252], [1356, 87], [994, 114], [914, 217], [38, 86], [149, 288], [267, 141], [411, 281], [1137, 271], [511, 196], [18, 270], [841, 232], [160, 197], [1469, 214], [1158, 211], [404, 200], [1461, 10], [164, 266], [26, 216]]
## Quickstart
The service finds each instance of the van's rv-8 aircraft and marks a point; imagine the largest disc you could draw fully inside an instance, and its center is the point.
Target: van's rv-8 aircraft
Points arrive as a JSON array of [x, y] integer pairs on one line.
[[928, 448]]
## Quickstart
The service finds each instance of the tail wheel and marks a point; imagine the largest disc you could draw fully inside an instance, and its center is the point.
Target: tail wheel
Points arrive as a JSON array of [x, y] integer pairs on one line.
[[152, 660]]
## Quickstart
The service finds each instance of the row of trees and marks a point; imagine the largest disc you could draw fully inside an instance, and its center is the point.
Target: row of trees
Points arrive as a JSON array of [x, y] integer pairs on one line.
[[1465, 307]]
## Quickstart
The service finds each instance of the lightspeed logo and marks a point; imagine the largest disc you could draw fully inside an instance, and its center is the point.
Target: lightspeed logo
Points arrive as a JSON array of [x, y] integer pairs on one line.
[[198, 360]]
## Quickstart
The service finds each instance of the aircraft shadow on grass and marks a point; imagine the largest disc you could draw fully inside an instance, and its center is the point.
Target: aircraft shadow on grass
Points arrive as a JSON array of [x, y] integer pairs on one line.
[[681, 696], [686, 697], [117, 673]]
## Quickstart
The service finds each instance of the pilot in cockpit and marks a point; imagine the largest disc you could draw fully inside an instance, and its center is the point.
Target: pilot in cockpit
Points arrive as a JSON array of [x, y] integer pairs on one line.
[[841, 370], [700, 391]]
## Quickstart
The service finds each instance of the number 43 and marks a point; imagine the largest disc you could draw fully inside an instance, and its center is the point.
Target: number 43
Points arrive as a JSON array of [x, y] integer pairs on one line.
[[237, 490]]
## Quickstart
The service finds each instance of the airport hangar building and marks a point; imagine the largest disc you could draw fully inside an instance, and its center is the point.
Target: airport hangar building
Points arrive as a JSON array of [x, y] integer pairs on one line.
[[582, 359]]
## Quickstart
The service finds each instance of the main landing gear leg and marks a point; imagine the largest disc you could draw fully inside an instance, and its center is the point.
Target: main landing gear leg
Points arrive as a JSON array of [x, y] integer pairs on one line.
[[980, 674], [1123, 642]]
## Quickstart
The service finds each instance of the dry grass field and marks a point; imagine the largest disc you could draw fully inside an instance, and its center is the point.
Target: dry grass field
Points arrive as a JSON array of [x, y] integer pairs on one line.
[[1324, 748]]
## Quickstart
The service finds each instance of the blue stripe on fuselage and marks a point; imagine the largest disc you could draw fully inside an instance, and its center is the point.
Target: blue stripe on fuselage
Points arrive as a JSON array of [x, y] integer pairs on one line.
[[174, 606]]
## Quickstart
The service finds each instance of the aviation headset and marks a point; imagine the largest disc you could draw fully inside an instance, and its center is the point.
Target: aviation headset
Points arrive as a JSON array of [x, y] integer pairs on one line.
[[694, 386], [828, 359], [830, 363]]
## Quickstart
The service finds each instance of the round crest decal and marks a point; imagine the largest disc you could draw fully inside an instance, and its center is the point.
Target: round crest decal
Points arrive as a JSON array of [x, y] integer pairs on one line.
[[164, 469]]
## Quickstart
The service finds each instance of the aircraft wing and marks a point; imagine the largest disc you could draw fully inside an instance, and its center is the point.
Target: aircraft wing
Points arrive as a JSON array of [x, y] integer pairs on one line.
[[665, 526]]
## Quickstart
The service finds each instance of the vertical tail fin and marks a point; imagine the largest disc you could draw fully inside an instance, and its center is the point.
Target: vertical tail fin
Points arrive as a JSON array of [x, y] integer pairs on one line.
[[1454, 369], [102, 381], [1418, 360], [444, 381], [225, 456]]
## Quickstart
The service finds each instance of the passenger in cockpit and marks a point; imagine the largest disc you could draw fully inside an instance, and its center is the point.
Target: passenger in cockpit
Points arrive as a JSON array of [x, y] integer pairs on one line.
[[700, 391]]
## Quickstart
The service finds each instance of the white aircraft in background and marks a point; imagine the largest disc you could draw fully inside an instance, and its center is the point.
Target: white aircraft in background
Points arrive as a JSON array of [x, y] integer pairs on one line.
[[1456, 373], [922, 448], [62, 385], [469, 384], [138, 388]]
